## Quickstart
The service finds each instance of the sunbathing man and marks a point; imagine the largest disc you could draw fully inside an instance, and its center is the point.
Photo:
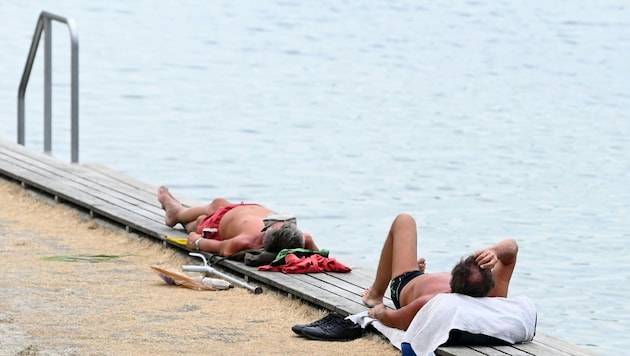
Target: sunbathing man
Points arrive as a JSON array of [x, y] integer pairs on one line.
[[485, 273], [226, 228]]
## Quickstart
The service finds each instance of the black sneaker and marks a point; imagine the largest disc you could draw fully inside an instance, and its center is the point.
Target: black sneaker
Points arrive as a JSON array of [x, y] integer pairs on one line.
[[334, 330], [330, 317]]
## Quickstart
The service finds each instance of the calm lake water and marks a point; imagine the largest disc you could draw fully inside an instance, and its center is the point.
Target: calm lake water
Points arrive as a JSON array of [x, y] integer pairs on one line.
[[483, 119]]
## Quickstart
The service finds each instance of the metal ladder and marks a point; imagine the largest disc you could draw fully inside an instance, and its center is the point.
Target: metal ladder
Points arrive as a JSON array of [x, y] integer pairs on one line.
[[44, 25]]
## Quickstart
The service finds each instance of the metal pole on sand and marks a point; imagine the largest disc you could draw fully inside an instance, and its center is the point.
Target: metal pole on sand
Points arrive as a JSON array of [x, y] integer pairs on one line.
[[208, 269]]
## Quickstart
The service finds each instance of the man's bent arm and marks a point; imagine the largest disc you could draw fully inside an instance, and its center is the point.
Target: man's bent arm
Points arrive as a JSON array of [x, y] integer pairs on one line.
[[240, 243], [207, 245], [506, 252], [401, 318], [224, 248]]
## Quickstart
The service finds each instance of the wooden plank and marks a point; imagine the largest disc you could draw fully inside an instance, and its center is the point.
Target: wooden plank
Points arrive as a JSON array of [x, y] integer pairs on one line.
[[96, 204], [341, 280], [72, 193], [559, 346], [347, 282], [47, 177], [355, 281], [364, 277], [498, 350], [101, 206], [324, 290], [486, 350], [143, 188], [73, 172], [492, 351], [536, 348], [457, 351]]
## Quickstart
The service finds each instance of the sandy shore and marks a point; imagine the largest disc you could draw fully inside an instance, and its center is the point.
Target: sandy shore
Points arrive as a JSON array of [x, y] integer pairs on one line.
[[120, 306]]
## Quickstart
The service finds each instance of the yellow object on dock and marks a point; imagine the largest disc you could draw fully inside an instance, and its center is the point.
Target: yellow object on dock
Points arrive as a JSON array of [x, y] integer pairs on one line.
[[178, 240]]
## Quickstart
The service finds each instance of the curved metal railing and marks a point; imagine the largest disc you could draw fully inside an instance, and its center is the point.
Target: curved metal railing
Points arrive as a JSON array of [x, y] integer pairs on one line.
[[44, 25]]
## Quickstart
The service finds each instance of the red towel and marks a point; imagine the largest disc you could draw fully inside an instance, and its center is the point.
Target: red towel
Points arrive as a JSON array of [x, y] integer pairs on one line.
[[310, 264]]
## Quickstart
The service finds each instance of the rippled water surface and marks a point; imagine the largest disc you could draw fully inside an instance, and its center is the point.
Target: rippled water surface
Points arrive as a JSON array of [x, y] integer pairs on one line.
[[483, 119]]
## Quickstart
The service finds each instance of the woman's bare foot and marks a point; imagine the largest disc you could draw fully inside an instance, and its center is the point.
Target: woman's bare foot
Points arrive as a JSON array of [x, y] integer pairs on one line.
[[370, 300], [170, 205]]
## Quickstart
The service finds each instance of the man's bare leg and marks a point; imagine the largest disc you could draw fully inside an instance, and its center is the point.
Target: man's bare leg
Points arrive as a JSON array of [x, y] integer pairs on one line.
[[174, 211], [397, 257], [170, 205]]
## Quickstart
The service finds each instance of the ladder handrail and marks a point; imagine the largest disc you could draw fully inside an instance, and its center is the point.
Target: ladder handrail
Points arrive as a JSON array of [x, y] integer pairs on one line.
[[44, 25]]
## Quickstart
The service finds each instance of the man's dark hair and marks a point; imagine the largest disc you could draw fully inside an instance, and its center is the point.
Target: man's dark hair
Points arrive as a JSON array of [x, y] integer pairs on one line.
[[470, 279], [286, 236]]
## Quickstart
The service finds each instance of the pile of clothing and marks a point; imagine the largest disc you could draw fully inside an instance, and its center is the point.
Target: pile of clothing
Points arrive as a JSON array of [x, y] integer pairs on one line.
[[298, 260]]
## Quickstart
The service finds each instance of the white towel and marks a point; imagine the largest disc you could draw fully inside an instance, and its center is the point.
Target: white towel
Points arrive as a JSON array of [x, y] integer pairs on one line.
[[510, 319]]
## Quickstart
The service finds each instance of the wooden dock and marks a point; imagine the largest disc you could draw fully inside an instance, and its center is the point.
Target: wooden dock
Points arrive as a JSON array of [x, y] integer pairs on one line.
[[133, 205]]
